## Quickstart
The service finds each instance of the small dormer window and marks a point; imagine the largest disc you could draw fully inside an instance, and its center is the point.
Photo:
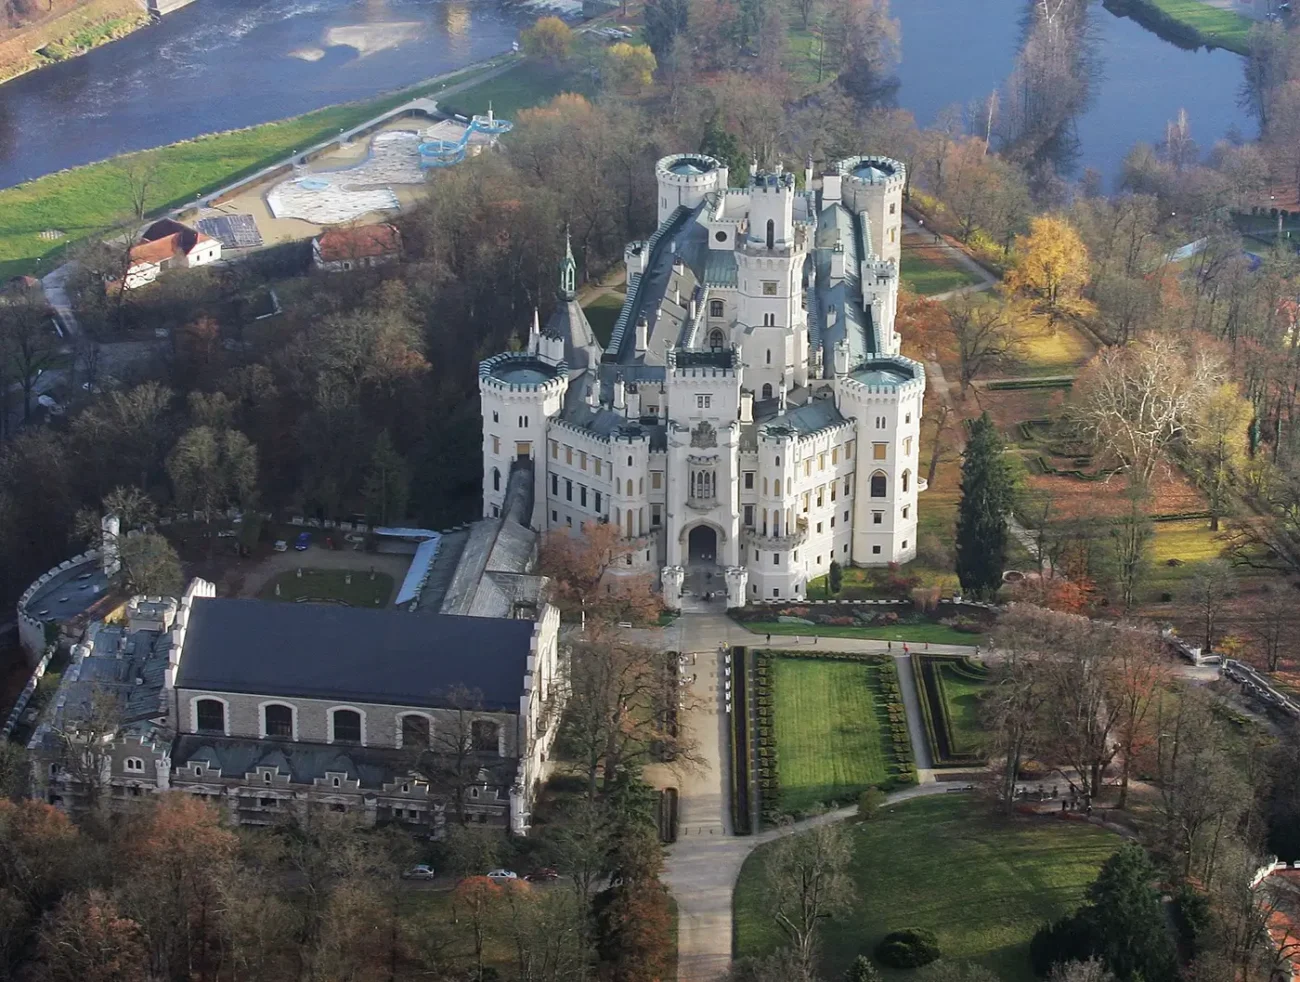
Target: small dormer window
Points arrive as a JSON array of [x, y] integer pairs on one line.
[[406, 789], [336, 782], [198, 770], [266, 777], [133, 764]]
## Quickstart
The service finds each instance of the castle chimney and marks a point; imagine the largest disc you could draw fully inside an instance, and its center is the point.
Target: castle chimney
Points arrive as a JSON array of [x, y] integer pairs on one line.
[[593, 395], [633, 403], [746, 406], [808, 173], [753, 166], [780, 396], [642, 335], [535, 335], [841, 359], [831, 192], [620, 394]]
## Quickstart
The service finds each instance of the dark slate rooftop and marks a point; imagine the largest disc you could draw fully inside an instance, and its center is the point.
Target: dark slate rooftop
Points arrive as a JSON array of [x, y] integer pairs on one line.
[[883, 373], [70, 593], [317, 651]]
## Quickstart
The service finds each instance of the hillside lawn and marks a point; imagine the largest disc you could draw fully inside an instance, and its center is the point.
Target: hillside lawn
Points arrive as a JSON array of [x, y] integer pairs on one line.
[[983, 884], [962, 697], [602, 313], [927, 271], [829, 741], [911, 633]]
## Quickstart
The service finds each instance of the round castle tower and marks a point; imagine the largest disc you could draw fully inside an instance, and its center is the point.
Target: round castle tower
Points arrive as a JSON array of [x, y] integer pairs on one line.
[[874, 185], [685, 178], [518, 392]]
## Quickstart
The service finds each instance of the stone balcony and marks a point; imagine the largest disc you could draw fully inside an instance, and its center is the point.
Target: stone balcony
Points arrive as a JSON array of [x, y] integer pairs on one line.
[[775, 543]]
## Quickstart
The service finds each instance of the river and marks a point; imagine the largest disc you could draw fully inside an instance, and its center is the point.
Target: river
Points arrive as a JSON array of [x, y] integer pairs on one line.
[[221, 64]]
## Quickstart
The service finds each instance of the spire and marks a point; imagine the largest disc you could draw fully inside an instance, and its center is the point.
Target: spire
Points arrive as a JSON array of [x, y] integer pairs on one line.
[[568, 269], [535, 334]]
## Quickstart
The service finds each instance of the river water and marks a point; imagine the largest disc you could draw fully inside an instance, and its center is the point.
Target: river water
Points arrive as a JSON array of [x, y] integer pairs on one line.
[[221, 64]]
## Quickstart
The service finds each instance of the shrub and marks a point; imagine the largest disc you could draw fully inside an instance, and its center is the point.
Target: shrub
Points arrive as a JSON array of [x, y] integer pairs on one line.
[[1064, 941], [862, 971], [910, 948], [836, 578], [869, 803]]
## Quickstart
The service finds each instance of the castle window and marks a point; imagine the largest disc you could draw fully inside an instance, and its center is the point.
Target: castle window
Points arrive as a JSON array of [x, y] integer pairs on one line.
[[629, 487], [415, 731], [598, 508], [582, 460], [749, 480], [496, 479], [133, 764], [568, 490], [555, 450], [892, 207], [277, 720], [346, 726], [703, 402], [771, 234], [629, 460], [769, 320], [907, 418], [656, 479], [715, 338], [495, 418], [907, 480], [210, 716], [907, 446], [877, 518], [769, 288], [582, 495], [484, 733], [749, 516], [878, 485], [906, 509], [496, 444], [656, 519], [568, 455], [879, 451], [875, 550], [835, 455], [848, 450], [767, 386], [555, 485], [720, 236], [715, 308]]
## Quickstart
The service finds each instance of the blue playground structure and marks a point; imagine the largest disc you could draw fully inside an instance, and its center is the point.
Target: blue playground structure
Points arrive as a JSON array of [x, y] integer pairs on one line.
[[444, 153]]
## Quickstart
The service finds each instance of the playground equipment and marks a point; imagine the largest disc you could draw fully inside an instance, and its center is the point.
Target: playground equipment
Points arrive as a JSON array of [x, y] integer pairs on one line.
[[444, 153]]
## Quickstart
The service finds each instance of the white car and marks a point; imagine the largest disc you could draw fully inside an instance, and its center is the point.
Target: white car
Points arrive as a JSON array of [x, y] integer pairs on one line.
[[421, 872], [281, 545], [502, 875]]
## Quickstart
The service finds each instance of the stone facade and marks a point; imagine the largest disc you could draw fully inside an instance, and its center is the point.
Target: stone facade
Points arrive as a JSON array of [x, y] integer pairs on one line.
[[752, 416]]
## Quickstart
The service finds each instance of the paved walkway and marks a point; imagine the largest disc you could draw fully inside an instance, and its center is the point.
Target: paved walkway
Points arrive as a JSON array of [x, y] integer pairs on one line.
[[986, 279]]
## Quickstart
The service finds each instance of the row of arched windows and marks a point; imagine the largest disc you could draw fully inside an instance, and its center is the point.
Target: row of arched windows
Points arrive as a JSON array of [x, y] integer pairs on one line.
[[278, 721]]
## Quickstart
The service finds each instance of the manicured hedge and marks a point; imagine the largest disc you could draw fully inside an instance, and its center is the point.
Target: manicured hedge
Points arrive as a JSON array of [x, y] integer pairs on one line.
[[741, 748]]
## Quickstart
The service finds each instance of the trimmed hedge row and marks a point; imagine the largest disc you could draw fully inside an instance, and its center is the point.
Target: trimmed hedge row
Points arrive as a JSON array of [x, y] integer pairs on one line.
[[928, 670], [1030, 383], [769, 780], [741, 748]]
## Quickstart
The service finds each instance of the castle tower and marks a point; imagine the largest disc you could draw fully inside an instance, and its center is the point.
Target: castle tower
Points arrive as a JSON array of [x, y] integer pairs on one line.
[[769, 306], [518, 392], [874, 186], [685, 178], [568, 270]]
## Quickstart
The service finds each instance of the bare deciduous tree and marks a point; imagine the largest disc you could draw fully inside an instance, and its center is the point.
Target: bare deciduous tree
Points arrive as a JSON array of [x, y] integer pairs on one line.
[[807, 881]]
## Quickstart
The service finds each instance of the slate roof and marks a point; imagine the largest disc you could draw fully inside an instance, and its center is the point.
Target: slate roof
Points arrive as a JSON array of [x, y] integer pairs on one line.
[[317, 651], [569, 323]]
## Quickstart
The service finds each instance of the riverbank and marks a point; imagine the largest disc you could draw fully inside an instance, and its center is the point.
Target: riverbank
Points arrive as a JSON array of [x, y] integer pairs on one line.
[[84, 201], [69, 34], [1189, 24]]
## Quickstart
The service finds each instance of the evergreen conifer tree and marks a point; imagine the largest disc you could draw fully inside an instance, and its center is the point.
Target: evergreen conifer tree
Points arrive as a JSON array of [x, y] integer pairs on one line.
[[986, 494]]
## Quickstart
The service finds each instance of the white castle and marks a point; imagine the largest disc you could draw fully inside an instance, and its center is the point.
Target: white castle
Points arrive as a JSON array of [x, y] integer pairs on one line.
[[752, 419]]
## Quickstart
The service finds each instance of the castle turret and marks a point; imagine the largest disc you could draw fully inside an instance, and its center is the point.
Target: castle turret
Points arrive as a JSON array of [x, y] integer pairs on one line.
[[685, 178], [874, 186]]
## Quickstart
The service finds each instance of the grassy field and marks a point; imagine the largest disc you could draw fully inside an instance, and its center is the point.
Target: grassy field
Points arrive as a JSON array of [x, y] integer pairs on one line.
[[92, 199], [602, 313], [927, 271], [1063, 351], [962, 696], [527, 84], [918, 633], [331, 586], [943, 863], [1221, 28], [829, 739]]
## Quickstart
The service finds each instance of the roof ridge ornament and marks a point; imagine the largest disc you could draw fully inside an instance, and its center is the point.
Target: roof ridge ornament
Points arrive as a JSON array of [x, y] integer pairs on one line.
[[568, 269]]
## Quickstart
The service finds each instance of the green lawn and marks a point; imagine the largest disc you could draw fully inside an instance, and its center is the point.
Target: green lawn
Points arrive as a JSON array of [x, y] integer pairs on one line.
[[1221, 28], [527, 84], [984, 886], [920, 633], [602, 313], [962, 696], [830, 744], [331, 586], [927, 277], [92, 199]]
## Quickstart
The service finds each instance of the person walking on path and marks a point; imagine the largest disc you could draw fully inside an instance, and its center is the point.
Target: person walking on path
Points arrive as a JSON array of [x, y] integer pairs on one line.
[[905, 649], [769, 637], [889, 646]]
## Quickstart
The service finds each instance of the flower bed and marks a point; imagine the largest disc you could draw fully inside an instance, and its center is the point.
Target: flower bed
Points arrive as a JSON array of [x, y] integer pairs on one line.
[[949, 743]]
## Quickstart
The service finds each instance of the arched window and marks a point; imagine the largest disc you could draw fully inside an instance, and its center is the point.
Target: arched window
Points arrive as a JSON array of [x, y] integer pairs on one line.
[[346, 726], [629, 487], [496, 479], [484, 733], [878, 485], [415, 731], [715, 308], [767, 386], [277, 720], [715, 340], [907, 480], [210, 716], [771, 233], [134, 764]]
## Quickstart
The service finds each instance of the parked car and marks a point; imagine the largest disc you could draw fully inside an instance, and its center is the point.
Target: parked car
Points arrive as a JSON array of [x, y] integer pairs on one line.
[[303, 542], [281, 545], [502, 875], [420, 872], [544, 875]]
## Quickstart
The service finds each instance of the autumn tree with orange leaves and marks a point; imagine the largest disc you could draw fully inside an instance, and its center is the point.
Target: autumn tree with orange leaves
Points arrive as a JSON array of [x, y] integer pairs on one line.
[[87, 939], [577, 563]]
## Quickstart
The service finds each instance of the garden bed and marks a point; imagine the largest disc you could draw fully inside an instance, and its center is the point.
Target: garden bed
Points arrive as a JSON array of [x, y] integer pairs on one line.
[[950, 690], [830, 725], [899, 621]]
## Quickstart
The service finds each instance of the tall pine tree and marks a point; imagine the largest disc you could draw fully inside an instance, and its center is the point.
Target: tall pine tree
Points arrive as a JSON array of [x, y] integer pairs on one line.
[[986, 493]]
